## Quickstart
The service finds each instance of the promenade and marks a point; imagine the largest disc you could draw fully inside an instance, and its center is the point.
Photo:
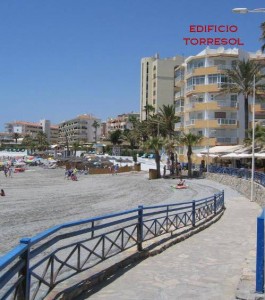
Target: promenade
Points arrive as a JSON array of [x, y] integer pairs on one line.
[[208, 265]]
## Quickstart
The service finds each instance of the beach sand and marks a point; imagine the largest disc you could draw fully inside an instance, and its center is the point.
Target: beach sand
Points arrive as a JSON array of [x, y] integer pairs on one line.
[[41, 198]]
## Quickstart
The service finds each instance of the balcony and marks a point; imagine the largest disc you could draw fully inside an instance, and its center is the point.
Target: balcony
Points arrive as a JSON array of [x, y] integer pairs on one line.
[[213, 105], [227, 140], [178, 126], [202, 88], [179, 80], [179, 109], [179, 95], [212, 123]]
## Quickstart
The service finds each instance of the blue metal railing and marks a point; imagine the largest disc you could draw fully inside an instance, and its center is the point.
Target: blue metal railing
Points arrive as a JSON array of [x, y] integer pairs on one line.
[[33, 268], [240, 173]]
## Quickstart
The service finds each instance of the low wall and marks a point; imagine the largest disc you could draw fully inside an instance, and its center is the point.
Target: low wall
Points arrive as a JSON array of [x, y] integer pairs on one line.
[[241, 185], [121, 170]]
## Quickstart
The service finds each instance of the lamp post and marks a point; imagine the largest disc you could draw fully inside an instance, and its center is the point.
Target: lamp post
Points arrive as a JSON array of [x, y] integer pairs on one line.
[[253, 141], [244, 11]]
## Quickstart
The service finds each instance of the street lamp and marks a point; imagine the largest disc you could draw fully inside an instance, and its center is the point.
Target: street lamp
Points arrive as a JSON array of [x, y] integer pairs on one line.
[[246, 10], [253, 141]]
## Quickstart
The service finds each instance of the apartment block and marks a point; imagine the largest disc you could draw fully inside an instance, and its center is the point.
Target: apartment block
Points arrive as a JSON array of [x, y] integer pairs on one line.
[[201, 105], [121, 122], [79, 129], [157, 83], [23, 128]]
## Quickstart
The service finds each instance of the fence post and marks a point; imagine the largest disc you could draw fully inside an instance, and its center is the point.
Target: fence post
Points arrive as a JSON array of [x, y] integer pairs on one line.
[[260, 254], [193, 212], [214, 204], [223, 199], [140, 228], [24, 292]]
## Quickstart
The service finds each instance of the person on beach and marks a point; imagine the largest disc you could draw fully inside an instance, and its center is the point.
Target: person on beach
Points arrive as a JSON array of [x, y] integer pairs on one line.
[[10, 171], [181, 182], [116, 169], [5, 170], [2, 193]]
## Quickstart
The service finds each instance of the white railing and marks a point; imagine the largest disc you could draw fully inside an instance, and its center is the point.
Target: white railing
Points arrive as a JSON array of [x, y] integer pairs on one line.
[[227, 121], [227, 140]]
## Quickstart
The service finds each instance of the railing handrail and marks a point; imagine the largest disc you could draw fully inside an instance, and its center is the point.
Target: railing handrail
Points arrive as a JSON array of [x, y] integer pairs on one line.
[[25, 261]]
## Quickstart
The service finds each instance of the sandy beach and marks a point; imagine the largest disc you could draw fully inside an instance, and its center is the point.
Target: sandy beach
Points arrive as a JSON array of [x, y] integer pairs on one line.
[[41, 198]]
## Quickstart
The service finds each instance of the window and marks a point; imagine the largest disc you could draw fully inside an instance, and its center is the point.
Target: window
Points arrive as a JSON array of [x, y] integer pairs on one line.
[[220, 115], [213, 78]]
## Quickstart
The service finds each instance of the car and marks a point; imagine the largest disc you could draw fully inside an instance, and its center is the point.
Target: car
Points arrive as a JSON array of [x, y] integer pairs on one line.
[[145, 155], [151, 155]]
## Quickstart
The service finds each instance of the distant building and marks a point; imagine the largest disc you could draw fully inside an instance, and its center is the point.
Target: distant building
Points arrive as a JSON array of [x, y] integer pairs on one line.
[[121, 122], [29, 128], [79, 129], [157, 83]]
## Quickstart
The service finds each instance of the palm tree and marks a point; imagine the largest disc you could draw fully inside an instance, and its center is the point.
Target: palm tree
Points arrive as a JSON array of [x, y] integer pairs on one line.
[[95, 125], [155, 144], [148, 108], [167, 119], [41, 139], [189, 140], [115, 137], [27, 141], [241, 81], [16, 136], [259, 136], [75, 147]]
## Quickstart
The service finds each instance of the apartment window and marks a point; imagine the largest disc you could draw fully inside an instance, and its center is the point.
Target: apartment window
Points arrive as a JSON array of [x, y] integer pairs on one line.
[[154, 101], [213, 78], [220, 115], [195, 64], [196, 80]]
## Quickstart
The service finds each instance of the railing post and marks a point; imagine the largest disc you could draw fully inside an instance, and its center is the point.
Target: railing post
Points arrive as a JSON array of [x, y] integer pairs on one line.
[[193, 212], [260, 254], [223, 199], [140, 229], [214, 204], [24, 292]]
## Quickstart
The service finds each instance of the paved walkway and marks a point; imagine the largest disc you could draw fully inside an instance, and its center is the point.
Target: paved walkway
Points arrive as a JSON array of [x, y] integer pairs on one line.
[[208, 265]]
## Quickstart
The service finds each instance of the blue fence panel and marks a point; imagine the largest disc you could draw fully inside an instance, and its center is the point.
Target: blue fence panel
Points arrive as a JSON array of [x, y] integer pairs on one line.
[[37, 265], [260, 254]]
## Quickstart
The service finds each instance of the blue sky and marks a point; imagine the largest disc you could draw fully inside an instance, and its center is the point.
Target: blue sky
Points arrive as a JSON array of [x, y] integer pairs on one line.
[[62, 58]]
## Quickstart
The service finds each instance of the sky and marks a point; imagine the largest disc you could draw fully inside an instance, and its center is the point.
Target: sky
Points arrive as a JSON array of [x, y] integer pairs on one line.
[[63, 58]]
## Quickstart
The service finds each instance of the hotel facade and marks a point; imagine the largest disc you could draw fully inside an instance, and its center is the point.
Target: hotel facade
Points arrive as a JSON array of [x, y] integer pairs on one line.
[[200, 104], [79, 129]]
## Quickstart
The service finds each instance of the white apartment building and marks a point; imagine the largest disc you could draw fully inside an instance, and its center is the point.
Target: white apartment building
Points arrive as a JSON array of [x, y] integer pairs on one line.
[[23, 128], [121, 122], [201, 105], [79, 129], [157, 82]]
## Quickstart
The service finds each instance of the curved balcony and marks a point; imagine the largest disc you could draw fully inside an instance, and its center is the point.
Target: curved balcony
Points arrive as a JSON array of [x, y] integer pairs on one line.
[[212, 123], [213, 105]]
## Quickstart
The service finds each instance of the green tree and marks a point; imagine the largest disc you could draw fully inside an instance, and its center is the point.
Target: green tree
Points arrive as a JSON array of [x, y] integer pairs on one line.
[[241, 81], [27, 141], [148, 108], [167, 119], [16, 136], [259, 138], [42, 142], [189, 140], [96, 124], [155, 144], [75, 147], [116, 137]]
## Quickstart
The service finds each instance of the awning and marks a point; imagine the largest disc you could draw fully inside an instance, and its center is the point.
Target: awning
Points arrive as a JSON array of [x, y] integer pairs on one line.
[[222, 149]]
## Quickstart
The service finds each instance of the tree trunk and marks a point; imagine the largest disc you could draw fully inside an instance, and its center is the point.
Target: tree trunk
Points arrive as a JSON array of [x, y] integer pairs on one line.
[[157, 159], [246, 116], [189, 166]]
